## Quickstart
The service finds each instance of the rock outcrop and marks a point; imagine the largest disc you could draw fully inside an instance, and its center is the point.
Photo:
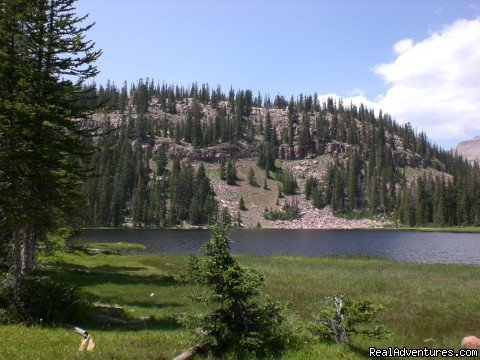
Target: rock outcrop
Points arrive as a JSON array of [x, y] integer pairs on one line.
[[470, 149]]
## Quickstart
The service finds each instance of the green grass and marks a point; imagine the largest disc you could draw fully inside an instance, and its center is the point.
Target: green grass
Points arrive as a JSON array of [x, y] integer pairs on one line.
[[421, 302], [114, 247], [448, 229]]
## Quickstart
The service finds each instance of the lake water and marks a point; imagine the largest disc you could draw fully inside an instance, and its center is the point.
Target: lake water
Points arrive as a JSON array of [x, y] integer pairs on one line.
[[404, 246]]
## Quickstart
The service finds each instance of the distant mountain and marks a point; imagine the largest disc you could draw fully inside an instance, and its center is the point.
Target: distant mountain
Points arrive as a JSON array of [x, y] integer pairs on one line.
[[470, 149]]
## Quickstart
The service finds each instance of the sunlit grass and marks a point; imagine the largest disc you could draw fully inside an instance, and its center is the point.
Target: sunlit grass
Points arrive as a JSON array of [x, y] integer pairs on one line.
[[421, 302]]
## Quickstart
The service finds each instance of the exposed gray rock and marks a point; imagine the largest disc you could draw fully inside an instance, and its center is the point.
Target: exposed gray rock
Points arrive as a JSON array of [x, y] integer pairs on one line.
[[470, 149]]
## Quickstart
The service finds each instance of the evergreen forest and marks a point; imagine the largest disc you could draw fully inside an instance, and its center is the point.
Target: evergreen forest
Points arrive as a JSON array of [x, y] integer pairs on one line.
[[154, 139]]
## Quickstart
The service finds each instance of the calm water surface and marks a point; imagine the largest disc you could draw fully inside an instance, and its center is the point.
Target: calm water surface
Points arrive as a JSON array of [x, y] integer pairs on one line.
[[405, 246]]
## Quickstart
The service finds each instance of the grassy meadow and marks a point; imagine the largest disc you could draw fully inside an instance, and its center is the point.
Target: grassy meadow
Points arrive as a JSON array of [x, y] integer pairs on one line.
[[435, 302]]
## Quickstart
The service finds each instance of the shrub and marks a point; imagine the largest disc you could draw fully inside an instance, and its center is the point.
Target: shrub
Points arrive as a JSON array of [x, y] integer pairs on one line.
[[251, 177], [289, 183], [343, 317], [310, 185], [239, 325], [225, 218], [231, 173], [241, 204], [34, 299], [289, 211], [58, 240]]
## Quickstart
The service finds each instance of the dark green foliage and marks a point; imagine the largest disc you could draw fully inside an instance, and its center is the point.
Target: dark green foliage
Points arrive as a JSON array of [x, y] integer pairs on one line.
[[366, 178], [289, 183], [317, 198], [292, 119], [58, 240], [225, 219], [289, 211], [223, 171], [343, 317], [251, 177], [267, 174], [39, 300], [241, 204], [231, 173], [310, 185], [150, 198], [239, 324], [44, 60], [266, 156], [265, 185], [161, 162], [305, 140]]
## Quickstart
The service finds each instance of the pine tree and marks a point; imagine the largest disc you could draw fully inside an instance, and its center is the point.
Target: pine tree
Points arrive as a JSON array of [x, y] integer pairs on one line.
[[292, 118], [231, 173], [304, 137], [42, 146], [251, 177], [222, 170], [310, 185], [241, 204], [289, 183], [161, 162], [317, 198], [225, 218]]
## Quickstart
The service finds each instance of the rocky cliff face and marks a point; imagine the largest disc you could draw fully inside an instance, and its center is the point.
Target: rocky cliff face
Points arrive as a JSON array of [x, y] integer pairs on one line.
[[470, 149]]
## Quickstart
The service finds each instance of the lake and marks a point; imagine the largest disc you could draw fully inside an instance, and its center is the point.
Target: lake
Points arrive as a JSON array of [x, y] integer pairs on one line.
[[404, 246]]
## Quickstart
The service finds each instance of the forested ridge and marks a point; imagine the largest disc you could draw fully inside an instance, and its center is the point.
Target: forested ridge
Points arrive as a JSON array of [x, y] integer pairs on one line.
[[149, 163]]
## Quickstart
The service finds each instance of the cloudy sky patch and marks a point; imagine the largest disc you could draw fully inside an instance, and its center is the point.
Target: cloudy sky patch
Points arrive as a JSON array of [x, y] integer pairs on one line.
[[435, 83]]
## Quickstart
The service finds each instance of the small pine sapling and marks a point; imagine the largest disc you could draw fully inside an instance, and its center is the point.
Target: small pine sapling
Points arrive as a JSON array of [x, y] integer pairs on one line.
[[241, 204], [240, 324], [343, 317]]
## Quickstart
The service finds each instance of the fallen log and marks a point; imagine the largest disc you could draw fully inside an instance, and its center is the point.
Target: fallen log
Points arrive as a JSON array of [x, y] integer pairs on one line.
[[113, 320], [111, 310], [188, 354]]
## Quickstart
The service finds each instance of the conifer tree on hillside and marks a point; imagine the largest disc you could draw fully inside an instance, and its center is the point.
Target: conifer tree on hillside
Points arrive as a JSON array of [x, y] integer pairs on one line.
[[251, 177], [373, 151], [231, 173]]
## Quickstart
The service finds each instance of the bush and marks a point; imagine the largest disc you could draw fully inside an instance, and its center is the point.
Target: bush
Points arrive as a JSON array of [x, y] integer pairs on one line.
[[289, 183], [289, 211], [58, 240], [251, 177], [241, 204], [240, 325], [343, 317], [34, 299]]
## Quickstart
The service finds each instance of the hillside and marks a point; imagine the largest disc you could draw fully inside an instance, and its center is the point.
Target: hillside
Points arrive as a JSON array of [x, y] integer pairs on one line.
[[470, 149], [160, 160]]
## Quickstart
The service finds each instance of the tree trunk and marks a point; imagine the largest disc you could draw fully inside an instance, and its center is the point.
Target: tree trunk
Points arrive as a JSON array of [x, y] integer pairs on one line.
[[17, 250], [28, 251], [23, 250], [188, 354]]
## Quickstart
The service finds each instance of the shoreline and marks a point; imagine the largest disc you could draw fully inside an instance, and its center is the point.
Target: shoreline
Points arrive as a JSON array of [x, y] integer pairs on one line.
[[468, 229]]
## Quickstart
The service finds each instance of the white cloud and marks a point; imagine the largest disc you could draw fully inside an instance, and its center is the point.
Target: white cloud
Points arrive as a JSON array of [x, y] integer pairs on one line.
[[355, 99], [435, 83], [356, 92], [403, 46]]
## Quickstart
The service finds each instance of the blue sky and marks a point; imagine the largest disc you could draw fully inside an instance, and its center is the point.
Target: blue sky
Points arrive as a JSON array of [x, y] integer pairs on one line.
[[343, 48]]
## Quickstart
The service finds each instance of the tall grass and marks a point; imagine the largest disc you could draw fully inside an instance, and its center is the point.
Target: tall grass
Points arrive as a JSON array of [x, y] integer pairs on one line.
[[438, 302]]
